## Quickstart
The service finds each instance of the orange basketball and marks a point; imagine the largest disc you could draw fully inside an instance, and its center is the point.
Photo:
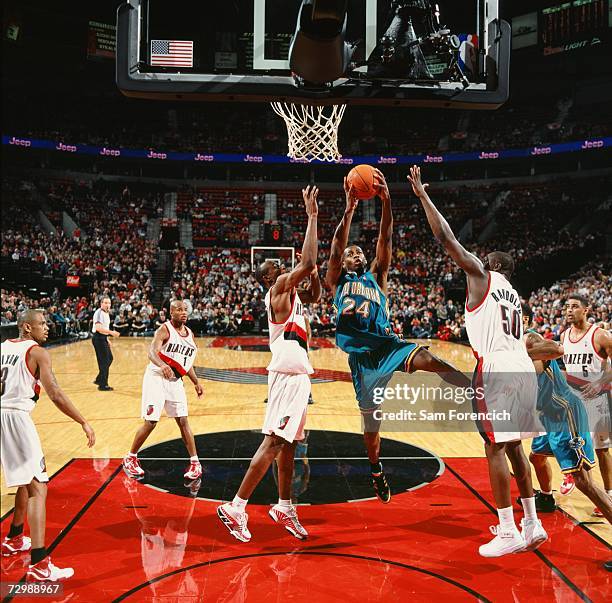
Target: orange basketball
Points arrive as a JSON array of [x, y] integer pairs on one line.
[[362, 179]]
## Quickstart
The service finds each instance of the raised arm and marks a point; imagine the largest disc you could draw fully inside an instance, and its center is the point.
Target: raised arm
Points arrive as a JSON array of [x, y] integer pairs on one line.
[[442, 231], [384, 247], [286, 282], [159, 339], [340, 240], [40, 363]]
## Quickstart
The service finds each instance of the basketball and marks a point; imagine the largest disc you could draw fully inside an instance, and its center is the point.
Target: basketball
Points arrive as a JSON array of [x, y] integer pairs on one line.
[[362, 179]]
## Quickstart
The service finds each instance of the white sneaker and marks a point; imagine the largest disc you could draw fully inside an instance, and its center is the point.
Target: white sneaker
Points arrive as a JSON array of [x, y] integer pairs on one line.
[[287, 516], [235, 521], [132, 467], [12, 546], [533, 533], [45, 571], [194, 471], [504, 543]]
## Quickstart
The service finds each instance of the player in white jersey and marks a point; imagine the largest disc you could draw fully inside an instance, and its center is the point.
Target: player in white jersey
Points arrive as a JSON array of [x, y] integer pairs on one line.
[[505, 379], [587, 350], [25, 367], [171, 356], [288, 382]]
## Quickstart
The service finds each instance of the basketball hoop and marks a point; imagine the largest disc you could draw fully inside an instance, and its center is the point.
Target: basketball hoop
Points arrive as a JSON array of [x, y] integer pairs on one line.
[[312, 130]]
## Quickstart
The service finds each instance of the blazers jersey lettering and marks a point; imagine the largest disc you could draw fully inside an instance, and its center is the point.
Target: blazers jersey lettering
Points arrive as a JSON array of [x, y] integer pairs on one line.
[[362, 319], [20, 388], [289, 340], [582, 363], [178, 352], [496, 323]]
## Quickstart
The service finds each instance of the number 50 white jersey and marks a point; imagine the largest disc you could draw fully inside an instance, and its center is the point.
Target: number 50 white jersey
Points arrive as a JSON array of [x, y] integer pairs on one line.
[[496, 323]]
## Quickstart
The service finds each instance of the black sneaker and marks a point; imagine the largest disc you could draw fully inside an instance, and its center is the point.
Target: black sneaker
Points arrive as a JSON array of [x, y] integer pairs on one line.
[[105, 388], [310, 400], [545, 503], [381, 487]]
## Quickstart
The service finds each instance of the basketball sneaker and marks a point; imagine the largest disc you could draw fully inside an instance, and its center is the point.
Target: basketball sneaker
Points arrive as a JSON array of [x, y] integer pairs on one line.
[[504, 543], [567, 485], [597, 512], [234, 521], [533, 533], [18, 544], [287, 516], [45, 571], [194, 471], [381, 486], [132, 467]]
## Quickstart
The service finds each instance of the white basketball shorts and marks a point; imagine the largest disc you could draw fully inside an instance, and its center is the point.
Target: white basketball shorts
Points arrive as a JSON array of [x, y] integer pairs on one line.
[[287, 403], [20, 450], [506, 387], [159, 393]]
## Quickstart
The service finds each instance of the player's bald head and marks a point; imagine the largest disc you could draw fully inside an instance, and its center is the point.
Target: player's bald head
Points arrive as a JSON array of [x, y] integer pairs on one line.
[[30, 317], [500, 261], [32, 324], [267, 273], [178, 304]]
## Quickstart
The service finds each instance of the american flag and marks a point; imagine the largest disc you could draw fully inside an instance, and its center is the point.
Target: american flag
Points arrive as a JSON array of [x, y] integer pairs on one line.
[[172, 53]]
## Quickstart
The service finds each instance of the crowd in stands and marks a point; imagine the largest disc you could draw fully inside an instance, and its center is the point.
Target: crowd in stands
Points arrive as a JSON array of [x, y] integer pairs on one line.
[[110, 246], [593, 281]]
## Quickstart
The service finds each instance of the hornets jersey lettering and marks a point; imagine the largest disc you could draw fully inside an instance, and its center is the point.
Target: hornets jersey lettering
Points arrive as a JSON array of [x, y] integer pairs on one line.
[[554, 393], [362, 321]]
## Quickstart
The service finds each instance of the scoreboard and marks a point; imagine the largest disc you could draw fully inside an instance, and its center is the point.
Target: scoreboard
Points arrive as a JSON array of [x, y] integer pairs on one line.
[[573, 24]]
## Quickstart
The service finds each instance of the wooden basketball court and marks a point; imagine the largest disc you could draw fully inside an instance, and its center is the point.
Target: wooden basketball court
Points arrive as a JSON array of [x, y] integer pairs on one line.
[[226, 406]]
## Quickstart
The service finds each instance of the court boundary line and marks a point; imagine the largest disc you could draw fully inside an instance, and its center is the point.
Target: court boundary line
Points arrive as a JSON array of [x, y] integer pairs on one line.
[[574, 587], [420, 570], [66, 530], [582, 524], [64, 466]]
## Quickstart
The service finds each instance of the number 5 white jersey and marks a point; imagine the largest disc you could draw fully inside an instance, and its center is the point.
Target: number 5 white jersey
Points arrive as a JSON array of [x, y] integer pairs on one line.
[[496, 323], [582, 362]]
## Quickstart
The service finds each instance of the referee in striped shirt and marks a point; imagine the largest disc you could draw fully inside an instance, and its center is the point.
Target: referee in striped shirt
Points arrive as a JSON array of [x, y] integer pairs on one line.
[[101, 331]]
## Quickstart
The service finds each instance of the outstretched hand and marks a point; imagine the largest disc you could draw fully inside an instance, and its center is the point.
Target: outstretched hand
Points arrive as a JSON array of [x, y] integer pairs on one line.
[[380, 184], [351, 197], [310, 194], [414, 178]]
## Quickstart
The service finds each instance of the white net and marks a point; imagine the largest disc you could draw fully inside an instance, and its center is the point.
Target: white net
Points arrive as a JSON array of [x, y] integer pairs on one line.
[[312, 131]]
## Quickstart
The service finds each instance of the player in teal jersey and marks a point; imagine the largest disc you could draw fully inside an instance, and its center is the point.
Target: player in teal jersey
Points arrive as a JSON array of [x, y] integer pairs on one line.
[[363, 328], [565, 419]]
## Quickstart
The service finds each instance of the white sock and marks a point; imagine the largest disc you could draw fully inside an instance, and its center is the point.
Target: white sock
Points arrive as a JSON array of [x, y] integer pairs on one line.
[[239, 503], [194, 459], [284, 503], [609, 492], [506, 519], [529, 508], [547, 493], [132, 454]]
